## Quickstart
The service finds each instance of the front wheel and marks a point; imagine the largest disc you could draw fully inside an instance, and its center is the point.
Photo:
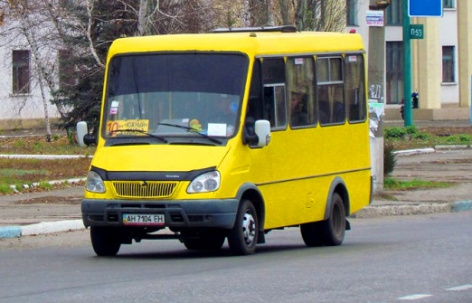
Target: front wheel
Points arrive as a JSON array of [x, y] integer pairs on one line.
[[105, 241], [242, 238]]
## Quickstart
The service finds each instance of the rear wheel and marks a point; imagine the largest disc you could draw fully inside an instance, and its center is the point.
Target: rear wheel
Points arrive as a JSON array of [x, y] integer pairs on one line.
[[105, 241], [329, 232], [311, 234], [242, 238]]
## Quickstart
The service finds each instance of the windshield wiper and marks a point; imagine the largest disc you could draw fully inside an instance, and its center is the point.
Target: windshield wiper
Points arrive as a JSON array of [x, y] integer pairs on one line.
[[130, 130], [192, 130]]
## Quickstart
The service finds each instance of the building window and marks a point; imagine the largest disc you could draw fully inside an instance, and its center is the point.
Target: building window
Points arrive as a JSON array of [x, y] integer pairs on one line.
[[448, 64], [394, 69], [21, 72], [448, 3], [394, 13], [351, 10]]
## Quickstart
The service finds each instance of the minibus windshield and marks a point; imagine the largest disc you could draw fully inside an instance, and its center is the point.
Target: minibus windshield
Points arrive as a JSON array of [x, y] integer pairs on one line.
[[174, 95]]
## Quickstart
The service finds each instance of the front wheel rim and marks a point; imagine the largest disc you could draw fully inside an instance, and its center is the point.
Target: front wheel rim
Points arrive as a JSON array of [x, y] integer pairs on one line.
[[249, 229]]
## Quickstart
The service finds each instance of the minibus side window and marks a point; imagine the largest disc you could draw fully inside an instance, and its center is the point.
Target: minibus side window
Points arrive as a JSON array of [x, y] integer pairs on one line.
[[303, 111], [330, 90], [355, 88], [273, 81], [274, 99], [254, 108]]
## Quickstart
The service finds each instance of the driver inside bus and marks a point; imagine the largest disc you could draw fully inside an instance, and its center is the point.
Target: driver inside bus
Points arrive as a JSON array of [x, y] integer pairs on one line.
[[226, 110]]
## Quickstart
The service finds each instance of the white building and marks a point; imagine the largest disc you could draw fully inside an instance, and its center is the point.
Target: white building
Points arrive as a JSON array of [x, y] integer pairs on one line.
[[29, 69], [441, 62]]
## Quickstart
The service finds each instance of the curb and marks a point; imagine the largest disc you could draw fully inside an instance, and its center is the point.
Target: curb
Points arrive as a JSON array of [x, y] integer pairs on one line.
[[42, 228], [430, 150], [416, 151], [416, 209], [461, 206], [54, 182]]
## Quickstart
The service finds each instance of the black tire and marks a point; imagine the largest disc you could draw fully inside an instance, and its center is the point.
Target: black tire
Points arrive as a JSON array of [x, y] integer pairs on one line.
[[105, 241], [242, 238], [329, 232], [334, 228], [208, 241], [311, 234]]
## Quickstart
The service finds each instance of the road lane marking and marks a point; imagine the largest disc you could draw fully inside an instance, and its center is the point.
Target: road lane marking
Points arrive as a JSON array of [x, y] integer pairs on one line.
[[460, 288], [414, 297]]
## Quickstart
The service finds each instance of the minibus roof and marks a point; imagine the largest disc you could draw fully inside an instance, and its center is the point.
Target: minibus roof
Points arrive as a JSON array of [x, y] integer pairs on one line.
[[253, 43]]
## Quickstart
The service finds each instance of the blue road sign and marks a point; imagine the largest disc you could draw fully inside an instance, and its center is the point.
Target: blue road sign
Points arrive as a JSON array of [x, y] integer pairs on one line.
[[425, 8]]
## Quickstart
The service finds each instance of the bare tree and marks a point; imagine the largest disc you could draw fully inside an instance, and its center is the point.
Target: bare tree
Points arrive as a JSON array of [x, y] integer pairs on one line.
[[314, 15], [320, 15]]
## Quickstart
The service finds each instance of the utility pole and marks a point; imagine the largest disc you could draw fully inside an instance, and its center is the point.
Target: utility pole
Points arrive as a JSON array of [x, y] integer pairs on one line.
[[376, 77], [407, 106]]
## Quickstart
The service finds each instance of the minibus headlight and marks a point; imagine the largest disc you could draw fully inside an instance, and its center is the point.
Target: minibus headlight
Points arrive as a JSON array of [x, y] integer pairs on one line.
[[206, 182], [95, 183]]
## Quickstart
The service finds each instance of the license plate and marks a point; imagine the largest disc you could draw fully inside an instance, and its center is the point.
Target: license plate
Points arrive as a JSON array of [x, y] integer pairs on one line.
[[145, 220]]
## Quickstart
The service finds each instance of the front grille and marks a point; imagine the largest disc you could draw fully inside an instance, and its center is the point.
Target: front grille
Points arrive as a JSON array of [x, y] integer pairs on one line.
[[140, 189]]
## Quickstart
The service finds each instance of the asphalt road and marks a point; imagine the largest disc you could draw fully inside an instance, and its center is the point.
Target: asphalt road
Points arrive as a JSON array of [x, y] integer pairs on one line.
[[411, 258]]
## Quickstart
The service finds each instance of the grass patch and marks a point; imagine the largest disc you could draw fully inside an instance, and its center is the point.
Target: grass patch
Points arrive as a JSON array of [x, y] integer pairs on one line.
[[394, 184], [59, 145], [19, 172], [5, 189], [412, 137]]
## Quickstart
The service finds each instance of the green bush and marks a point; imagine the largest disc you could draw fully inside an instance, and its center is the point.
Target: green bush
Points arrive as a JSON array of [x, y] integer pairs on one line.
[[412, 130], [390, 159], [452, 139], [464, 138], [422, 136], [394, 133]]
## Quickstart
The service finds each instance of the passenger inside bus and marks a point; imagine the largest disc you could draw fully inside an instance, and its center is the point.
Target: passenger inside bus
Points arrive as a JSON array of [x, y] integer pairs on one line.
[[299, 111]]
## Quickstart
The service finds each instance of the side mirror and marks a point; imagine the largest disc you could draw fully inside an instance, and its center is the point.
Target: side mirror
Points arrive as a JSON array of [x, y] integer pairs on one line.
[[262, 129], [83, 137]]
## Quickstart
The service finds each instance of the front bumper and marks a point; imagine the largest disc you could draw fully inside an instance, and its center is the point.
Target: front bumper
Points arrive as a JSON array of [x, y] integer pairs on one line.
[[219, 213]]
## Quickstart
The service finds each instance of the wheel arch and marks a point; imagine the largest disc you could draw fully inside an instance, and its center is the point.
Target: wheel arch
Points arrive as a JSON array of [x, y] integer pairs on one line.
[[337, 186], [251, 192]]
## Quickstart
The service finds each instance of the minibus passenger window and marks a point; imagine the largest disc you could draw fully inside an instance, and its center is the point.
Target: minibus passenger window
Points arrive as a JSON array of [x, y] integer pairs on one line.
[[355, 87], [300, 91], [330, 90]]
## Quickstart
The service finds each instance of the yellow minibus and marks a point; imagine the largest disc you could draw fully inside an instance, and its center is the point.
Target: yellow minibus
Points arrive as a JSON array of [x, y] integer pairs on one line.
[[229, 135]]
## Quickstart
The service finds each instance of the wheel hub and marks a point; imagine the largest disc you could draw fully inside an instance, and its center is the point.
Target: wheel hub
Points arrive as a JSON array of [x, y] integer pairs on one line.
[[249, 230]]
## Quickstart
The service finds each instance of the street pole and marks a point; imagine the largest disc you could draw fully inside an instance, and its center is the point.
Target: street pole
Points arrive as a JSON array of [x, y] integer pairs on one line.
[[407, 106]]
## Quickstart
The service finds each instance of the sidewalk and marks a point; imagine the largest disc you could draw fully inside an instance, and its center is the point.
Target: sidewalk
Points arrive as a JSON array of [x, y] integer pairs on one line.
[[59, 210]]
